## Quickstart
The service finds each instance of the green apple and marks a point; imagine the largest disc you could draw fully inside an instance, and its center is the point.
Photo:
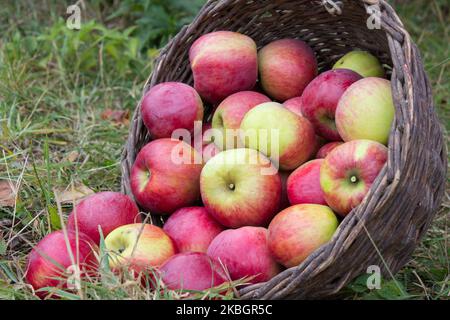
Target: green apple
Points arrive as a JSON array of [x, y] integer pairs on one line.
[[362, 62], [366, 111], [287, 138]]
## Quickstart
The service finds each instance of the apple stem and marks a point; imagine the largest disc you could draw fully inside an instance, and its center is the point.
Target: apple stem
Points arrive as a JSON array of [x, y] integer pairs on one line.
[[353, 179], [231, 186]]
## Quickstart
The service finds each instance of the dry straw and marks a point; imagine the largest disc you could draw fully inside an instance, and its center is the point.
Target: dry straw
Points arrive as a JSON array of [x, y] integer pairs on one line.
[[403, 200]]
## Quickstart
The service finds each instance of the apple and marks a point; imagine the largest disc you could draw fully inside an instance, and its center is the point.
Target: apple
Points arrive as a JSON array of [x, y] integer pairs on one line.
[[327, 148], [209, 151], [223, 63], [298, 231], [50, 263], [229, 114], [362, 62], [245, 253], [240, 187], [169, 106], [192, 229], [287, 138], [286, 67], [294, 105], [303, 185], [348, 172], [165, 176], [366, 111], [321, 97], [107, 210], [139, 247], [192, 271]]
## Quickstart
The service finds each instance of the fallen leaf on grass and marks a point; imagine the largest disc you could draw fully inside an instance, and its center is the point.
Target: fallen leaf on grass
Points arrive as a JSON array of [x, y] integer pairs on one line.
[[73, 194], [7, 194], [116, 116]]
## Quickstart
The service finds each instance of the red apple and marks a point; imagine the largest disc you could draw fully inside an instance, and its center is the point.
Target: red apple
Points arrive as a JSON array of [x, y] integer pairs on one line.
[[229, 114], [303, 185], [326, 149], [244, 252], [223, 63], [50, 263], [192, 271], [139, 247], [209, 151], [192, 229], [349, 171], [286, 67], [240, 187], [169, 106], [298, 231], [165, 176], [294, 105], [108, 210], [321, 97]]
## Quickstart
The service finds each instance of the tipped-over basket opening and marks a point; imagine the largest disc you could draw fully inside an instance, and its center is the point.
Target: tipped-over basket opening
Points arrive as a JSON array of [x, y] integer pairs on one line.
[[386, 227]]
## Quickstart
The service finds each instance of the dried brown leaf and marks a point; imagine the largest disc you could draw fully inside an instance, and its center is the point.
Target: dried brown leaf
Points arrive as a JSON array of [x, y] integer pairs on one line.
[[7, 194]]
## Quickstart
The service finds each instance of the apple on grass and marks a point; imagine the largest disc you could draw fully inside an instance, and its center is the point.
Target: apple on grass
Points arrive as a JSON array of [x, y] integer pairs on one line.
[[298, 231], [244, 253], [303, 185], [362, 62], [223, 63], [139, 247], [192, 229], [169, 106], [320, 99], [240, 187], [285, 137], [194, 271], [327, 148], [165, 176], [286, 67], [107, 210], [229, 114], [366, 111], [349, 171], [50, 263]]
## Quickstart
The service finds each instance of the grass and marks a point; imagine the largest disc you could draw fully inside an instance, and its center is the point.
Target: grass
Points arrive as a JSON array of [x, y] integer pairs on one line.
[[55, 86]]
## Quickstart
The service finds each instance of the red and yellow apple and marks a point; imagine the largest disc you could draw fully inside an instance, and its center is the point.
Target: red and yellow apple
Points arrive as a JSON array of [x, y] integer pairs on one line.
[[240, 187], [286, 67], [192, 229], [194, 271], [245, 253], [223, 63], [169, 106], [298, 231], [287, 138], [362, 62], [366, 111], [303, 185], [321, 97], [138, 247], [229, 114], [107, 210], [165, 176], [51, 262], [327, 148], [349, 171]]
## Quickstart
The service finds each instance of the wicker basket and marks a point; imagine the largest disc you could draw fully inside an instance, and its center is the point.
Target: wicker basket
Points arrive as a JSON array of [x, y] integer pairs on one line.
[[400, 206]]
